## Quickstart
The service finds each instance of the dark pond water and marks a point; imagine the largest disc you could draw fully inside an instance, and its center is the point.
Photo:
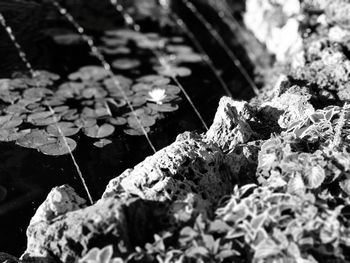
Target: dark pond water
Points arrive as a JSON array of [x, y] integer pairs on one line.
[[27, 174]]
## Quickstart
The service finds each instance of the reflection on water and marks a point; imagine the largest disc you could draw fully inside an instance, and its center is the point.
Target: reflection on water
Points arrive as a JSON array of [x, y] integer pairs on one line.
[[27, 175]]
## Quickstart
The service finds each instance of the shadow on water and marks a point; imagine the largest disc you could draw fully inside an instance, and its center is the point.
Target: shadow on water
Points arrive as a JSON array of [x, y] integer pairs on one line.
[[29, 175]]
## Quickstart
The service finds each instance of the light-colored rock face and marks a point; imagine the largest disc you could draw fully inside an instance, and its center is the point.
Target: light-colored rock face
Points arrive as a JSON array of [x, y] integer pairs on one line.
[[189, 165], [174, 185], [59, 201], [288, 107], [276, 24], [230, 126]]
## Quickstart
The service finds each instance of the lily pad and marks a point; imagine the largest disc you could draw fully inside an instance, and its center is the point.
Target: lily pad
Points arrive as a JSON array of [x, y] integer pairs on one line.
[[62, 129], [46, 121], [99, 131], [102, 143], [36, 93], [70, 115], [173, 71], [9, 135], [144, 120], [60, 146], [166, 107], [68, 39], [189, 58], [116, 51], [171, 89], [85, 123], [136, 132], [94, 92], [126, 63], [117, 121], [89, 73], [9, 122], [155, 80], [112, 41], [35, 138]]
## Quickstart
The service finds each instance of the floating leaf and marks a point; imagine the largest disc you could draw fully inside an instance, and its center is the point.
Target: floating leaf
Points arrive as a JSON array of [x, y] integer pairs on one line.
[[68, 39], [179, 49], [36, 93], [117, 121], [94, 92], [126, 63], [46, 121], [116, 51], [144, 120], [173, 71], [162, 107], [142, 87], [171, 89], [89, 73], [35, 139], [62, 129], [102, 143], [70, 115], [38, 115], [189, 58], [9, 122], [85, 123], [9, 135], [114, 41], [136, 132], [155, 80], [60, 146], [138, 100], [99, 131]]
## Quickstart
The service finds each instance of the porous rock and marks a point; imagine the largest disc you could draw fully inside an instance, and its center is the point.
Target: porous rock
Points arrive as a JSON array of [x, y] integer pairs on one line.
[[189, 165], [175, 184], [124, 223], [230, 126]]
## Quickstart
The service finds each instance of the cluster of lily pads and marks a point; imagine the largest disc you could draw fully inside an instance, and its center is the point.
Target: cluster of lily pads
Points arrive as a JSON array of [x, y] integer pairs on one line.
[[170, 52], [92, 101]]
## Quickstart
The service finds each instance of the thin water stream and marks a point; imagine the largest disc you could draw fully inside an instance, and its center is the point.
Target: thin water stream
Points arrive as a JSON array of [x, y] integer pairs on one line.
[[200, 48], [222, 43]]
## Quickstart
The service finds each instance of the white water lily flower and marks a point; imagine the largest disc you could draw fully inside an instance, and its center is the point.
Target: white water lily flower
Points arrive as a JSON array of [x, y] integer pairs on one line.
[[157, 95]]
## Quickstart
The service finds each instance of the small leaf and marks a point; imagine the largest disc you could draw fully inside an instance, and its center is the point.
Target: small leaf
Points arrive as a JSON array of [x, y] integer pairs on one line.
[[316, 177], [266, 249], [102, 143], [194, 252], [99, 131], [126, 63], [60, 147], [62, 129]]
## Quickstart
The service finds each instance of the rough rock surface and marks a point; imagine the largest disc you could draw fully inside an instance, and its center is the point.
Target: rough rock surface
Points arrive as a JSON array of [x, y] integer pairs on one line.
[[175, 184], [230, 126], [121, 222], [276, 24]]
